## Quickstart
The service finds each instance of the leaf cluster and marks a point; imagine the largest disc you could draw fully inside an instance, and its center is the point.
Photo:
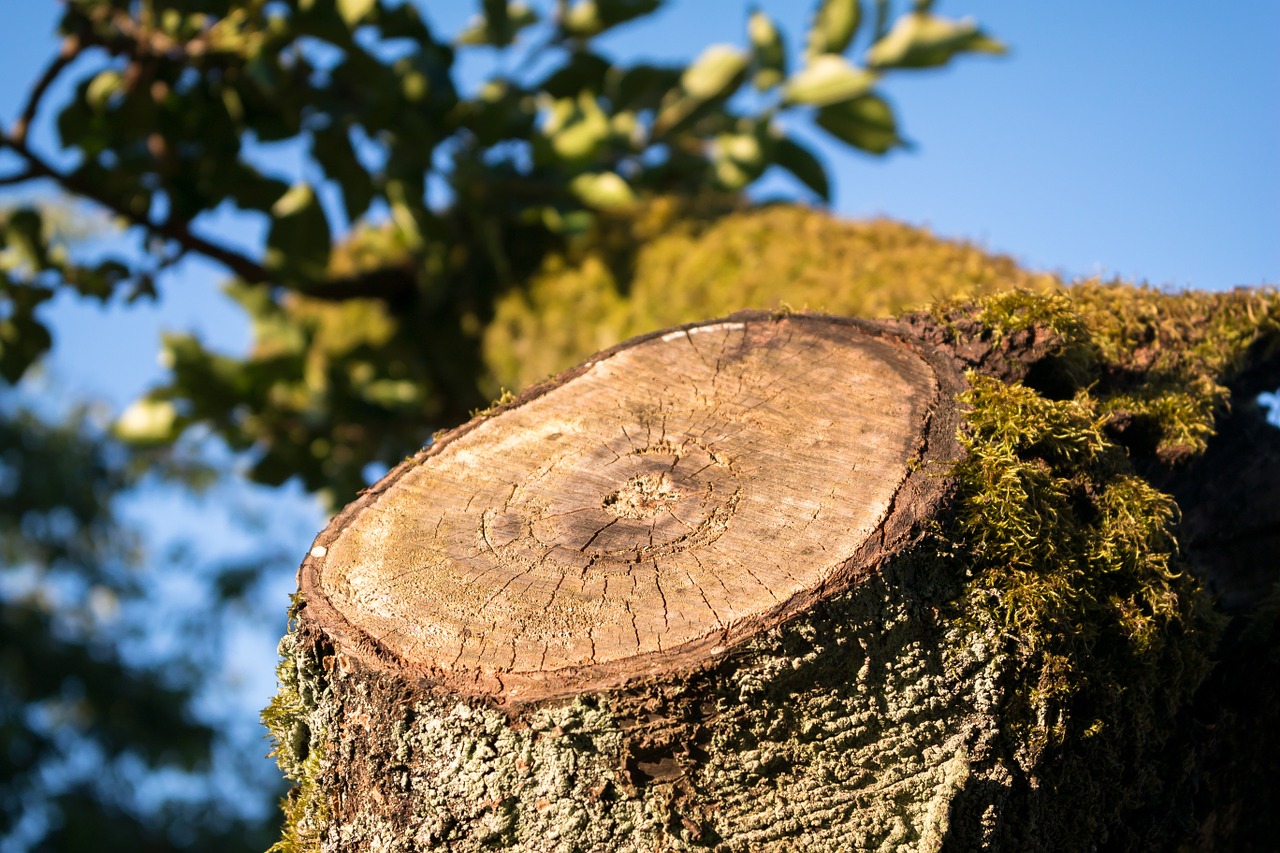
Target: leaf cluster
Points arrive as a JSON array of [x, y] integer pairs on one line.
[[397, 205], [82, 722]]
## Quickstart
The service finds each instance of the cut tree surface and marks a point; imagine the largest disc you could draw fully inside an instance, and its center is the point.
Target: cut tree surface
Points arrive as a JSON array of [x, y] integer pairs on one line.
[[639, 514]]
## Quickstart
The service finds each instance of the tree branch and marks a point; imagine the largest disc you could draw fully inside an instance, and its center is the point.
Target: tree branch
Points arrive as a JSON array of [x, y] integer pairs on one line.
[[393, 283], [244, 267], [17, 178], [66, 55], [390, 284]]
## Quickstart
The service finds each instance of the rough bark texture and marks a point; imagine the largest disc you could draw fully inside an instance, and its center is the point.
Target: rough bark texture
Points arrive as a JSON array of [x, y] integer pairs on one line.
[[987, 638]]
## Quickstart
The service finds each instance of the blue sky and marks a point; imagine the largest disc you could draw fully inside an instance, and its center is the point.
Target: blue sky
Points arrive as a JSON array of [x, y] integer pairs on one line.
[[1131, 139]]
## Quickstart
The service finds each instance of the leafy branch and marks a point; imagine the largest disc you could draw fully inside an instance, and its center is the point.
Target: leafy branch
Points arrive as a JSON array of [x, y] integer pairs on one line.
[[173, 110]]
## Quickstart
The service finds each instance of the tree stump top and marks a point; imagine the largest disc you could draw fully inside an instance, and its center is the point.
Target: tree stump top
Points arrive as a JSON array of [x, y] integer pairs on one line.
[[642, 512]]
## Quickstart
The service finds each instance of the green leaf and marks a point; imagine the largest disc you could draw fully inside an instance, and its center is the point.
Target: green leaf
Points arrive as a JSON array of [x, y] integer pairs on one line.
[[602, 190], [498, 111], [98, 281], [249, 188], [882, 20], [24, 231], [867, 123], [355, 11], [639, 87], [101, 88], [828, 79], [333, 151], [713, 73], [148, 422], [23, 338], [802, 163], [588, 18], [737, 159], [769, 52], [576, 130], [582, 19], [499, 24], [582, 71], [406, 214], [921, 40], [298, 240], [712, 78], [835, 23], [567, 222], [404, 21]]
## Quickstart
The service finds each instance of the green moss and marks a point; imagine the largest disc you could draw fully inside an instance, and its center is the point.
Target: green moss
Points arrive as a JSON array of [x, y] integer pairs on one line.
[[1165, 358], [1072, 555], [1074, 558], [296, 745], [663, 266], [504, 398], [305, 813]]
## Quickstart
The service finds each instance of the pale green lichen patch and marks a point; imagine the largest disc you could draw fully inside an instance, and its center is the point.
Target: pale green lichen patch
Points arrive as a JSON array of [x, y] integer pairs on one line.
[[297, 743], [858, 730], [463, 777]]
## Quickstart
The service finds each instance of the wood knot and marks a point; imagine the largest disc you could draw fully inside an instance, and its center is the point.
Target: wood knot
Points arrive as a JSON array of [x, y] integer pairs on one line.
[[643, 496]]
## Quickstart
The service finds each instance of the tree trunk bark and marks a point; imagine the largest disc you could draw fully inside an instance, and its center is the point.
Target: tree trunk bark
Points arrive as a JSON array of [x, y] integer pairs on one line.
[[712, 589]]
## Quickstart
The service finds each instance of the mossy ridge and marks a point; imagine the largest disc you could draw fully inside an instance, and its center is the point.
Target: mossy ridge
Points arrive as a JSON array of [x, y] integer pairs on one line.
[[1165, 359], [297, 742], [768, 258], [1072, 555]]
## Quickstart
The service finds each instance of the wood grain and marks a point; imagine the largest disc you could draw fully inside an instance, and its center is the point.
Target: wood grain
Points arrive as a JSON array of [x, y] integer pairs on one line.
[[671, 496]]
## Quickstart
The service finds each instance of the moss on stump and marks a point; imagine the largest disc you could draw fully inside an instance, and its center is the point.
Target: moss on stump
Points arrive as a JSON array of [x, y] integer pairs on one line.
[[1040, 666]]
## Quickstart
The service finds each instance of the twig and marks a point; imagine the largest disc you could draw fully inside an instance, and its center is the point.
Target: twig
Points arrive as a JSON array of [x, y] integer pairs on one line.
[[243, 267], [17, 178], [66, 55]]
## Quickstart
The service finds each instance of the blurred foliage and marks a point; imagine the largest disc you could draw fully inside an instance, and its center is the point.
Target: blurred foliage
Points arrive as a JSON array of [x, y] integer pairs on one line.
[[80, 725], [621, 282], [426, 209], [434, 230]]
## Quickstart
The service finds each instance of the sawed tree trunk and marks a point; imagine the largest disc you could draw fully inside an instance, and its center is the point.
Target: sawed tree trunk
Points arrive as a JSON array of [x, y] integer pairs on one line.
[[750, 584]]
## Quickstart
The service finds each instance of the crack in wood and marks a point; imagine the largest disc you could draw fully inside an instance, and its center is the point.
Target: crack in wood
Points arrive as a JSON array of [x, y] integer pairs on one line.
[[758, 455]]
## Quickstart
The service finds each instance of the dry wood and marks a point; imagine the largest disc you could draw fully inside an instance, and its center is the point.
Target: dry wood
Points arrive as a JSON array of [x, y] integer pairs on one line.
[[638, 515]]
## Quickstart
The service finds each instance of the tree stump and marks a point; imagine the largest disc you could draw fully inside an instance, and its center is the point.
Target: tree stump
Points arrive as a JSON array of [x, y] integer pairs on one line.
[[791, 583], [641, 514], [646, 606]]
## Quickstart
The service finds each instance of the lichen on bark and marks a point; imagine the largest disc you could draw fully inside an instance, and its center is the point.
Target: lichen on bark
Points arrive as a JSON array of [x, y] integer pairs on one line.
[[856, 721], [293, 721]]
